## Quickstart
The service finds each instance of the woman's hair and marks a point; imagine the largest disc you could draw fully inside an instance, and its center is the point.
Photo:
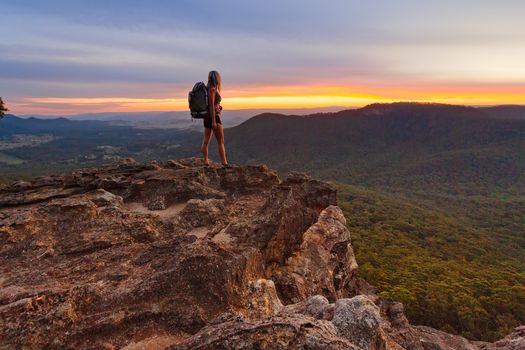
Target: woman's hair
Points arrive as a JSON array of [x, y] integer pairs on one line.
[[214, 79]]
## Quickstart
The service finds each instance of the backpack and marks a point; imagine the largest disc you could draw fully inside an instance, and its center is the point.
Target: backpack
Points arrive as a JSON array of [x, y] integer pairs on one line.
[[198, 101]]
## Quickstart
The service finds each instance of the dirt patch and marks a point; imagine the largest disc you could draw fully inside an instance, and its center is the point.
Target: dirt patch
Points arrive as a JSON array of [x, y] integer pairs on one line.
[[167, 213], [199, 232], [222, 238], [157, 342]]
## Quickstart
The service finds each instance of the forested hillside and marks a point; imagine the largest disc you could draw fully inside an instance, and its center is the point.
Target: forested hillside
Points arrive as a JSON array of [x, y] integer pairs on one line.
[[432, 147], [450, 272], [435, 196]]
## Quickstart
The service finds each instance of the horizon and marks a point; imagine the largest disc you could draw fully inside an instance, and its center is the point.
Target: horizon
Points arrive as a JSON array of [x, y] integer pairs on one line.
[[312, 110], [66, 57]]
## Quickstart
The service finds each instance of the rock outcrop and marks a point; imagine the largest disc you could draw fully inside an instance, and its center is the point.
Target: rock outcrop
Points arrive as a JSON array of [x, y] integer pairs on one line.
[[178, 255]]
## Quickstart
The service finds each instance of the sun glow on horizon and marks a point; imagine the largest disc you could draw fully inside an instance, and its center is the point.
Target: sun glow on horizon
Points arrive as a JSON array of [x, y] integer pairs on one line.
[[278, 97], [109, 56]]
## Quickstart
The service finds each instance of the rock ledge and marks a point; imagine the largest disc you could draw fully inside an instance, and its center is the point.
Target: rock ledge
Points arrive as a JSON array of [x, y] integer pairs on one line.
[[177, 255]]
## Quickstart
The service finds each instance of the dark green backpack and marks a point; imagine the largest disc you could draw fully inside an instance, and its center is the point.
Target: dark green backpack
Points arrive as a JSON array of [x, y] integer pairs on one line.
[[198, 101]]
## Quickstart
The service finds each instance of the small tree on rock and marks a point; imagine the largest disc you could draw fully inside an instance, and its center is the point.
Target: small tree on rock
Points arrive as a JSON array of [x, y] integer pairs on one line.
[[3, 109]]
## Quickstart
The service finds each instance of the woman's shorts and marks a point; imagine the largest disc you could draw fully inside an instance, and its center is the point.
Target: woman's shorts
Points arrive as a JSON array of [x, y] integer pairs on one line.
[[207, 121]]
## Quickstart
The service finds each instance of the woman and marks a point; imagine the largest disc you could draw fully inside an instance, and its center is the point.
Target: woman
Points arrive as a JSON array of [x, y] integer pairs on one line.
[[214, 124]]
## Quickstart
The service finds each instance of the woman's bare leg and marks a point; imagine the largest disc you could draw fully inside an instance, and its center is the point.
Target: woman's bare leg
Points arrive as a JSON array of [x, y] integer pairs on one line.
[[205, 142], [219, 135]]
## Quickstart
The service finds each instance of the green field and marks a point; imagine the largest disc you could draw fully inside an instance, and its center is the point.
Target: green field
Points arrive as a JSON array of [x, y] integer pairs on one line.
[[10, 160]]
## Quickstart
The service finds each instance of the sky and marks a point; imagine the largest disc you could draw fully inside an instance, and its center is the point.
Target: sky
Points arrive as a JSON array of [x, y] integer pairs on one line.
[[63, 57]]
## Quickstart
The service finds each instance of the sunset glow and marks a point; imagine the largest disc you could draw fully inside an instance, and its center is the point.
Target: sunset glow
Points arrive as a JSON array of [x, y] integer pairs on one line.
[[63, 60], [280, 99]]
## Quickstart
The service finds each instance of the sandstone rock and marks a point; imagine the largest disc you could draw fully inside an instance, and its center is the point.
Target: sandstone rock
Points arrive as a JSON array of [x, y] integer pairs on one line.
[[262, 300], [431, 339], [324, 263], [199, 212], [358, 320], [514, 341], [182, 256], [280, 332], [174, 164], [108, 269], [103, 198], [316, 306], [22, 184]]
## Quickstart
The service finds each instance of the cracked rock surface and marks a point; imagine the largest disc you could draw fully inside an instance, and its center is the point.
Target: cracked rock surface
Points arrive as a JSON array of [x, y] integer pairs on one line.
[[178, 255]]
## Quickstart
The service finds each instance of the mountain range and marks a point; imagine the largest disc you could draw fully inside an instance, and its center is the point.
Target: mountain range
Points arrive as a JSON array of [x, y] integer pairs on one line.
[[178, 119], [390, 143]]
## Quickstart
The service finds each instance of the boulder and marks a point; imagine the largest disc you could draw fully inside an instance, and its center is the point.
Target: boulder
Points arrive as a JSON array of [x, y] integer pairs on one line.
[[358, 320]]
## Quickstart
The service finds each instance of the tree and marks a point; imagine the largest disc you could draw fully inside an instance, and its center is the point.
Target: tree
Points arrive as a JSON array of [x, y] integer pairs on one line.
[[3, 109]]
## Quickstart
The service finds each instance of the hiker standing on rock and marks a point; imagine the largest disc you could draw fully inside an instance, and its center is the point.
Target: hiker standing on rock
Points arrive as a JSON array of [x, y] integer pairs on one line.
[[214, 123]]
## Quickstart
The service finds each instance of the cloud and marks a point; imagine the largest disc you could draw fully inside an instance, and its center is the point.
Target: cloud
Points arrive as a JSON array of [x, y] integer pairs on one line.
[[137, 49], [78, 52]]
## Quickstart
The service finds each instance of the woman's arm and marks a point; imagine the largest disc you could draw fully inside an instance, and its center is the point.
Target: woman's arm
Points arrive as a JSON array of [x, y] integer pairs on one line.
[[211, 106]]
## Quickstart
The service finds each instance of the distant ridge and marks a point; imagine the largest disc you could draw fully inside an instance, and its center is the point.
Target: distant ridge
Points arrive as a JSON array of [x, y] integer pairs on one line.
[[368, 140], [505, 111], [494, 112], [234, 117]]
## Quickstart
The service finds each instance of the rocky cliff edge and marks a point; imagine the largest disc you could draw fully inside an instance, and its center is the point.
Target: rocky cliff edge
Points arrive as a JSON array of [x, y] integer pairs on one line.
[[178, 255]]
